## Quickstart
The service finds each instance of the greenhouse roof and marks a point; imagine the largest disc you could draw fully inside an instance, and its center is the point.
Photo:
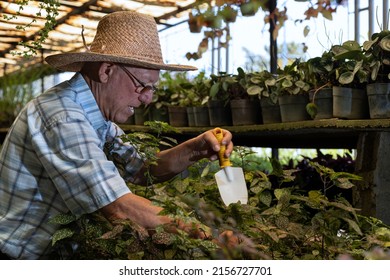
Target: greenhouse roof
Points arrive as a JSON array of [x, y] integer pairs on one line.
[[73, 16]]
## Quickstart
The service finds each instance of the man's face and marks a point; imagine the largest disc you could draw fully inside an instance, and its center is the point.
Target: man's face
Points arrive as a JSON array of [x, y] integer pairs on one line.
[[128, 88]]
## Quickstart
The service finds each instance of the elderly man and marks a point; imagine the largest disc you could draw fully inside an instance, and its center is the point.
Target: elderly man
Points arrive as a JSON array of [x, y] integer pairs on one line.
[[54, 158]]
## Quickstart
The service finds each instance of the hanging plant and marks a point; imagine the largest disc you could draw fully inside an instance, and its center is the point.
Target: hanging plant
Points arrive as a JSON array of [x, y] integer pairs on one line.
[[47, 9]]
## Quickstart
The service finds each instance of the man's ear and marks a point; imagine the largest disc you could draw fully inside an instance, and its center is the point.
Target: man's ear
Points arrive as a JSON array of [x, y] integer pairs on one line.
[[106, 69]]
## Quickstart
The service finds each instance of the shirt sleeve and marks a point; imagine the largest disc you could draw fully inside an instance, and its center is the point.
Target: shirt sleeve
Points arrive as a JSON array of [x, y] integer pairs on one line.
[[73, 156], [123, 154]]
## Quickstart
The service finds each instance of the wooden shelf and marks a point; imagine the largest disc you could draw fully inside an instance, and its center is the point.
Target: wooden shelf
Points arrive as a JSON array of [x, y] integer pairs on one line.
[[330, 133]]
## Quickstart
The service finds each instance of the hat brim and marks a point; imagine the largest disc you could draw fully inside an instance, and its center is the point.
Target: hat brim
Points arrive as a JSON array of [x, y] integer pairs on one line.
[[73, 62]]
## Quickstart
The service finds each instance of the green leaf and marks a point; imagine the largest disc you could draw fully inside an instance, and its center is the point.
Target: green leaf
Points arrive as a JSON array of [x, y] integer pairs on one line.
[[62, 234], [214, 89], [205, 171], [312, 109], [63, 219], [287, 83], [279, 193], [368, 44], [353, 225], [346, 78], [351, 45], [253, 90], [169, 254], [270, 82], [385, 43], [266, 198]]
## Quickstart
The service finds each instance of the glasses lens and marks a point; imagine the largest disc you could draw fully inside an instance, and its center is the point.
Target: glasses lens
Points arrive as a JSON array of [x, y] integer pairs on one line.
[[145, 87], [149, 88]]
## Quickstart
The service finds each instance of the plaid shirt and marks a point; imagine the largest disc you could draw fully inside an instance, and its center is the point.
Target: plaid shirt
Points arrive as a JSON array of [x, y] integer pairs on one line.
[[53, 161]]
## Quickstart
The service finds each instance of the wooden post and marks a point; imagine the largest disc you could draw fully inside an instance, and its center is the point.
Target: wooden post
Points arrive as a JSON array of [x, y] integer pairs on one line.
[[372, 195]]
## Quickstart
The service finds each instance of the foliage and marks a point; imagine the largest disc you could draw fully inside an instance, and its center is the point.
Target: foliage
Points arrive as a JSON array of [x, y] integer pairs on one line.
[[262, 84], [349, 65], [229, 86], [48, 9], [312, 174], [17, 90], [377, 53], [291, 79], [199, 92], [215, 17], [180, 90], [319, 71], [280, 221], [148, 145]]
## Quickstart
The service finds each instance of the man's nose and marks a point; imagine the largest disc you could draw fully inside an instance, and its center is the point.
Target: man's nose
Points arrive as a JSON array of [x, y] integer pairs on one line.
[[146, 97]]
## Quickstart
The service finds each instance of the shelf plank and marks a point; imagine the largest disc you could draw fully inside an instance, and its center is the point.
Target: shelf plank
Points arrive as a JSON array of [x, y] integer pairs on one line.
[[329, 133]]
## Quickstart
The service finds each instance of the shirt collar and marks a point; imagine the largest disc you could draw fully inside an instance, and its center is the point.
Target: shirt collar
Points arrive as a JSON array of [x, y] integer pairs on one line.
[[87, 101]]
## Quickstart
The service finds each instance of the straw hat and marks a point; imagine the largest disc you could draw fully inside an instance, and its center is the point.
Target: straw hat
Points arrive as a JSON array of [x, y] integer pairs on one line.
[[124, 37]]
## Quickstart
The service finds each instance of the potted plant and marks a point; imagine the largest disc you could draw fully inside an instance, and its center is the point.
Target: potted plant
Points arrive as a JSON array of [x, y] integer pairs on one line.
[[212, 19], [293, 92], [175, 87], [377, 53], [351, 77], [228, 13], [198, 95], [245, 108], [319, 75], [158, 108], [249, 7], [195, 22], [263, 85], [219, 100]]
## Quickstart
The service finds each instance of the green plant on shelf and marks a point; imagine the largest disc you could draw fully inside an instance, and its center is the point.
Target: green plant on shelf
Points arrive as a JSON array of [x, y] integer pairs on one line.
[[199, 91], [377, 53], [350, 67], [291, 79], [263, 85]]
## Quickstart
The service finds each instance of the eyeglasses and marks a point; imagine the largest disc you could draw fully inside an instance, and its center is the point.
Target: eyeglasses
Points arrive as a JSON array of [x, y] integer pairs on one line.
[[135, 80]]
